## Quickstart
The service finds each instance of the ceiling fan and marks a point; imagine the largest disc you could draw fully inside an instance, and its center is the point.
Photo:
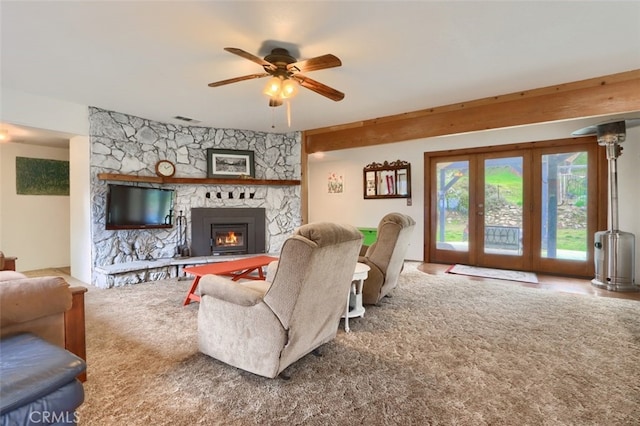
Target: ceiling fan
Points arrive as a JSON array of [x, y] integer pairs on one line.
[[286, 73]]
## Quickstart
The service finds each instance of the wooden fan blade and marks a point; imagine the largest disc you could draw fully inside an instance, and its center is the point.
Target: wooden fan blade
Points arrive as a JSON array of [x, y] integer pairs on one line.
[[319, 88], [314, 64], [249, 56], [237, 79]]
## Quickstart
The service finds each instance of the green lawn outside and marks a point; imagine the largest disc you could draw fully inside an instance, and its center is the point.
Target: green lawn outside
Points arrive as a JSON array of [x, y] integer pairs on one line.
[[507, 183]]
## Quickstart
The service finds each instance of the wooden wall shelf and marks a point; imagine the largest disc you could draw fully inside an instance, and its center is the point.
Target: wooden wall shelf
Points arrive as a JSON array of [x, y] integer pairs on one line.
[[195, 181]]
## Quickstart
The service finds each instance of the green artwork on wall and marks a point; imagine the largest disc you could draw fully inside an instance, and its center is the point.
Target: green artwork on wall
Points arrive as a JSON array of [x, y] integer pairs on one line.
[[38, 176]]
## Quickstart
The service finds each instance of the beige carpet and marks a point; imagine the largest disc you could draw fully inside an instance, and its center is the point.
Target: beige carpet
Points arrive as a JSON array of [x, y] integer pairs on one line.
[[443, 350]]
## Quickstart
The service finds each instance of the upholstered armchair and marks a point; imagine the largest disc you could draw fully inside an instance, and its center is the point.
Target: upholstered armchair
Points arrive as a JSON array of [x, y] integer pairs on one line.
[[263, 327], [386, 256]]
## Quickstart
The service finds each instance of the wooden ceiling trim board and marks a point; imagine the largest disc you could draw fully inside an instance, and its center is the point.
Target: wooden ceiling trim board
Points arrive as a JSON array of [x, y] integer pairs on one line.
[[612, 94]]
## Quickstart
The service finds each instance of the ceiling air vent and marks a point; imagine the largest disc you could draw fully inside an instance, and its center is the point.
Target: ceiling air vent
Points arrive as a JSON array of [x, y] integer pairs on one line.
[[186, 119]]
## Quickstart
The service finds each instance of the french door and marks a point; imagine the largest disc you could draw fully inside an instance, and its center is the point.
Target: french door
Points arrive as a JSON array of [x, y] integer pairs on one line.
[[524, 209]]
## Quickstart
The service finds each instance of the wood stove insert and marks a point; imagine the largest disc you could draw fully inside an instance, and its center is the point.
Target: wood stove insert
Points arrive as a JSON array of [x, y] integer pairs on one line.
[[229, 238], [226, 231]]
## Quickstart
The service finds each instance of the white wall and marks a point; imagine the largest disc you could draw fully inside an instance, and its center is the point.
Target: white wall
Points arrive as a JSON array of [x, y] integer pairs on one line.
[[351, 207], [629, 190], [25, 109], [80, 208], [35, 228]]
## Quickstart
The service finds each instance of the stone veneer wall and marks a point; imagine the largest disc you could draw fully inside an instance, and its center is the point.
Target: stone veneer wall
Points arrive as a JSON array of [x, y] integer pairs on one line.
[[130, 145]]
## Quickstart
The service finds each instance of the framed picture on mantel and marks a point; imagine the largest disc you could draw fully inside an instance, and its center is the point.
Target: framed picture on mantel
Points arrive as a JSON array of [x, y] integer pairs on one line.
[[230, 163]]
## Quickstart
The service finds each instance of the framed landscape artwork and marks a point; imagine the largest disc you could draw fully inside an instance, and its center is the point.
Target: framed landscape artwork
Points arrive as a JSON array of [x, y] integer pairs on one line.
[[230, 163]]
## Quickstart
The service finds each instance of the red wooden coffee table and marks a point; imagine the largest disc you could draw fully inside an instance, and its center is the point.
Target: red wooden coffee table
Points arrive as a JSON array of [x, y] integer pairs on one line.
[[237, 269]]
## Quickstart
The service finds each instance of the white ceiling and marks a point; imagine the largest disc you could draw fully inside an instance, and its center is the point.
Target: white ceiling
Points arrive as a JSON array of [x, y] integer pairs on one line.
[[154, 59]]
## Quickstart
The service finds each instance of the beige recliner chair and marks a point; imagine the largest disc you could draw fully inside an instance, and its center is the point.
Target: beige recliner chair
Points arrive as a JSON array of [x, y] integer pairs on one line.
[[386, 256], [264, 327]]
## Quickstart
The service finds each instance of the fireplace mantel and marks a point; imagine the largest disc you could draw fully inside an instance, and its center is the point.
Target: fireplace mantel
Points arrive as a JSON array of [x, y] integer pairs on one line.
[[196, 181]]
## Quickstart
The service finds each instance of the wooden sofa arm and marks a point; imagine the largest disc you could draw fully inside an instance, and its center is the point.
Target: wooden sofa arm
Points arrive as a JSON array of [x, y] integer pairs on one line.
[[74, 330]]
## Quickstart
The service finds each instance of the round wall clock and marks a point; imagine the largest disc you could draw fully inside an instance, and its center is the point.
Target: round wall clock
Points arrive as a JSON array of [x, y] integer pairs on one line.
[[165, 168]]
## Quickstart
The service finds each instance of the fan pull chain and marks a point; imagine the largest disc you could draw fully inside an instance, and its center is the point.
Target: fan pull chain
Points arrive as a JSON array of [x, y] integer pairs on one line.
[[289, 114], [273, 118]]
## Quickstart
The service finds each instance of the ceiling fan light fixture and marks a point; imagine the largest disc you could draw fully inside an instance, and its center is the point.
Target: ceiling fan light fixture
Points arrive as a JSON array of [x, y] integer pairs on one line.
[[279, 88], [289, 89], [273, 87]]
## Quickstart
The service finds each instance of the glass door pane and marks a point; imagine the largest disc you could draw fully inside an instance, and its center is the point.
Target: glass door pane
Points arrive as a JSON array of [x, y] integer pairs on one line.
[[502, 209], [564, 206], [452, 207]]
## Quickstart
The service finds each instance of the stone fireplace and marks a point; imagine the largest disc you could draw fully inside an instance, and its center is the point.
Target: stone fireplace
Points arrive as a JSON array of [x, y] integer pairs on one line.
[[224, 231], [128, 145]]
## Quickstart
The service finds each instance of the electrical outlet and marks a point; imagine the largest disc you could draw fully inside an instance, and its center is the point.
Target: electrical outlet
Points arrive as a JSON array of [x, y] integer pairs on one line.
[[409, 201]]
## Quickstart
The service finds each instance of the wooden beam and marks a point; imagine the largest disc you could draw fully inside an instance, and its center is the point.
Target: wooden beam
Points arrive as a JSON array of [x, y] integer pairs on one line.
[[612, 94]]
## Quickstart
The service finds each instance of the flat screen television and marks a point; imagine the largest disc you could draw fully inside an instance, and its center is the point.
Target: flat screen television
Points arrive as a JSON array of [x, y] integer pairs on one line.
[[134, 207]]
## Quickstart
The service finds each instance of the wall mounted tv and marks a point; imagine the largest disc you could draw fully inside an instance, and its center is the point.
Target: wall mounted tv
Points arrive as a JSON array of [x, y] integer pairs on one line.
[[134, 207]]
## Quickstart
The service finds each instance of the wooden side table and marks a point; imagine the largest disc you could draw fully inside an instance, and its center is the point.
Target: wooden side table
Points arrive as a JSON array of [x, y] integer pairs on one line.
[[9, 264]]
